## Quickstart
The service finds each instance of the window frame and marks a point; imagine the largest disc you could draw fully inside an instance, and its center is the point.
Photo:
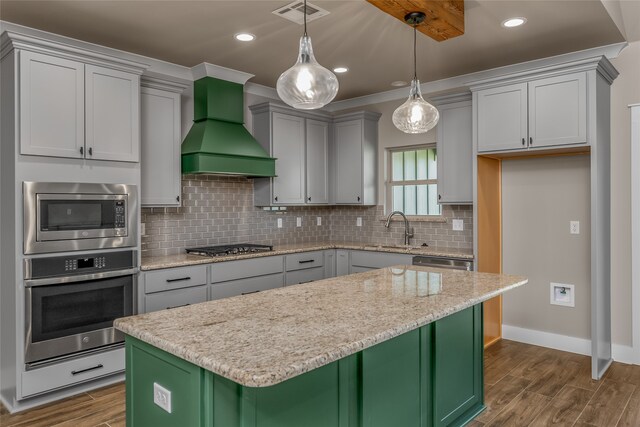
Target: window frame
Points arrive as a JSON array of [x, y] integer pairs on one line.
[[390, 183]]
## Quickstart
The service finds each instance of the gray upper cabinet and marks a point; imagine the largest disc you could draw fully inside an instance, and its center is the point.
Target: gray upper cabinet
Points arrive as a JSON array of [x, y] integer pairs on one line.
[[356, 153], [558, 111], [300, 143], [455, 153], [502, 118], [541, 113], [160, 140], [288, 147], [76, 110], [317, 162]]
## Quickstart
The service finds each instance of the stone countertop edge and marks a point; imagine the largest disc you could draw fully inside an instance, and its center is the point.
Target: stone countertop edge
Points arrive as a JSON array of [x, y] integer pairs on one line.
[[185, 260], [281, 374]]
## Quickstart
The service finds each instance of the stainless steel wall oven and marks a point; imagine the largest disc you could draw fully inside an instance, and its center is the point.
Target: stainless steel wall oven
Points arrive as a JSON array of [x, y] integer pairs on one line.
[[72, 301], [60, 217]]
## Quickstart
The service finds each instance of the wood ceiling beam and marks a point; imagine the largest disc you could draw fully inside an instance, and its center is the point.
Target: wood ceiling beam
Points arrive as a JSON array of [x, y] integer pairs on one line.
[[444, 18]]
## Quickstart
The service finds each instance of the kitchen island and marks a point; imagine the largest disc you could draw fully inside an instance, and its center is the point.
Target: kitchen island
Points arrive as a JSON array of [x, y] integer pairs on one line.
[[399, 346]]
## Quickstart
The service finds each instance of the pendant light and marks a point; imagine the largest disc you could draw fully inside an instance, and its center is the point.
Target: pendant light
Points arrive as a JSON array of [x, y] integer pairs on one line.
[[416, 115], [307, 85]]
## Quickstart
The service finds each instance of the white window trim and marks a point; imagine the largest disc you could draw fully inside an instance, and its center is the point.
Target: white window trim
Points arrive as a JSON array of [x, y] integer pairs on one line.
[[388, 183]]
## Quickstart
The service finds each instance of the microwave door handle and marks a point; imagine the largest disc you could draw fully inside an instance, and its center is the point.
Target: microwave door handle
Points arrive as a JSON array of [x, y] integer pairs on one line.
[[80, 278]]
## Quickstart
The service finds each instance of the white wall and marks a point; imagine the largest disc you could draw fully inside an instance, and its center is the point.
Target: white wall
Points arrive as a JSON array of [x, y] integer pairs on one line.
[[624, 91]]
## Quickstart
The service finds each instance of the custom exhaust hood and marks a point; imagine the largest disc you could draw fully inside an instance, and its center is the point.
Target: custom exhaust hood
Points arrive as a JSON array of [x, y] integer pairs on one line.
[[218, 142]]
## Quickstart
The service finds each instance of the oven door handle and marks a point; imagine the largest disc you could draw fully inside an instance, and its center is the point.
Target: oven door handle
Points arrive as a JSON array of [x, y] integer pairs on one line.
[[80, 278]]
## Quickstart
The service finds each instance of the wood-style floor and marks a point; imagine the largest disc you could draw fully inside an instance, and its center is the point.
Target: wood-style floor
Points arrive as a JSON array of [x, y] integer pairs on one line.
[[525, 385]]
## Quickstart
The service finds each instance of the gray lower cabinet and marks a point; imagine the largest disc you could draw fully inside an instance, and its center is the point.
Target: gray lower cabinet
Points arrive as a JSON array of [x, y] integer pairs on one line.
[[298, 277], [247, 276], [172, 287], [366, 260], [455, 152], [304, 267], [342, 262], [329, 263]]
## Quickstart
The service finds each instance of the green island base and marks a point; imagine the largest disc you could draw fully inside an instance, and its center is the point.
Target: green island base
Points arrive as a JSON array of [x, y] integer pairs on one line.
[[428, 377]]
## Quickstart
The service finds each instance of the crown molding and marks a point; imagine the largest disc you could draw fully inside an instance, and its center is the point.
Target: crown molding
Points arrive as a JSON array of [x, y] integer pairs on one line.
[[216, 71], [261, 90], [162, 83]]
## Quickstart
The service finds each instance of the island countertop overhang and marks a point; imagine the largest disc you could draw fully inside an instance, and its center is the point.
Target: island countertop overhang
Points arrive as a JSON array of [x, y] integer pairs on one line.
[[263, 339]]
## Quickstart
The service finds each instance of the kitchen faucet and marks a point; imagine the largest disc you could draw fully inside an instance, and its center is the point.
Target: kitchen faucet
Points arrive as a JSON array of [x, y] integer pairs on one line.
[[408, 233]]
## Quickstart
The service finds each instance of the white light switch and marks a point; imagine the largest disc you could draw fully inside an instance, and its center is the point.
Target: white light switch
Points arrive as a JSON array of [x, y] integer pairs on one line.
[[574, 227], [298, 222], [279, 222], [458, 225], [162, 397], [319, 220], [359, 222]]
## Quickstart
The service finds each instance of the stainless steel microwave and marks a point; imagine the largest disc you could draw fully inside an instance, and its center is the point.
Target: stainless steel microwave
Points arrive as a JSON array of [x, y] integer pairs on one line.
[[60, 217]]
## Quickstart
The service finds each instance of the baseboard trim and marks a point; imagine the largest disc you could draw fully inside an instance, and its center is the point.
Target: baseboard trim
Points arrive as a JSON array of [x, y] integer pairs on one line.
[[620, 353]]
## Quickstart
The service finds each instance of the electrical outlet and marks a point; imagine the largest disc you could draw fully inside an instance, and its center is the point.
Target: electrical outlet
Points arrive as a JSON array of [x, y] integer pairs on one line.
[[458, 225], [279, 222], [318, 220], [359, 222], [298, 222], [574, 227], [162, 397]]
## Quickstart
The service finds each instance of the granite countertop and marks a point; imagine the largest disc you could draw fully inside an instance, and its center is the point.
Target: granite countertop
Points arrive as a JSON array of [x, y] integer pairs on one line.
[[181, 260], [262, 339]]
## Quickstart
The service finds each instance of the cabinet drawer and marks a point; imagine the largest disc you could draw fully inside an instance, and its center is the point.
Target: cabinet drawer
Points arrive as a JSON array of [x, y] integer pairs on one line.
[[234, 270], [175, 298], [246, 286], [378, 259], [304, 276], [174, 278], [72, 372], [304, 260]]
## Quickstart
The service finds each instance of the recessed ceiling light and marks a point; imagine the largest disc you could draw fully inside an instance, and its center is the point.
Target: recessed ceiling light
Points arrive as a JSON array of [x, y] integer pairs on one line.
[[340, 70], [513, 22], [399, 83], [244, 37]]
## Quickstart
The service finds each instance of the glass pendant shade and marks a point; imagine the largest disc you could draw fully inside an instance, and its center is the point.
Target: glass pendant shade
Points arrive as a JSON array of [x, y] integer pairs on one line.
[[416, 115], [307, 85]]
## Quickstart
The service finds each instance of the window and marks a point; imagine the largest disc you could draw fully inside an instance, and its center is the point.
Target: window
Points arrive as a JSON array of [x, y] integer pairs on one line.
[[412, 186]]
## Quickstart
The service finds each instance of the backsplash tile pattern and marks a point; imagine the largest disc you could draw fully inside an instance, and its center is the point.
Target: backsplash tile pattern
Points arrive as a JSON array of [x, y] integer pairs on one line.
[[218, 210]]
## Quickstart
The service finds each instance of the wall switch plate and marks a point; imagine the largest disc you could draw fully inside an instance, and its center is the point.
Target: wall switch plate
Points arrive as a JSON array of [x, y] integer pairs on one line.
[[279, 222], [563, 294], [318, 220], [162, 397], [574, 227], [298, 222], [143, 228], [359, 222], [458, 225]]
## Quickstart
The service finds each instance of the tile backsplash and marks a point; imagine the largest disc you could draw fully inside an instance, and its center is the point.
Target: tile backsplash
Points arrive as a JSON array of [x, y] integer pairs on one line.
[[218, 210]]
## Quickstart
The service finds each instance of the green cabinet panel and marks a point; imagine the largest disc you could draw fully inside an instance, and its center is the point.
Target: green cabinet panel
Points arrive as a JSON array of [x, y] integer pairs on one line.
[[457, 352], [428, 377], [390, 386], [146, 365]]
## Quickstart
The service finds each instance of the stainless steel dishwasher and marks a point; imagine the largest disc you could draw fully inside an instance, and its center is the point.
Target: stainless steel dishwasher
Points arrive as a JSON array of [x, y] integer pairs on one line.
[[443, 262]]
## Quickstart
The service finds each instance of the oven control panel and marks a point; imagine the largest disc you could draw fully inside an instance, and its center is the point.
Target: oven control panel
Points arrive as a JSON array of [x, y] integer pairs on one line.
[[69, 265], [119, 214]]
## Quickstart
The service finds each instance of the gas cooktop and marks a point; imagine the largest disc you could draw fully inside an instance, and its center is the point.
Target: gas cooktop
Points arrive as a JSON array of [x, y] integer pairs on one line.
[[224, 250]]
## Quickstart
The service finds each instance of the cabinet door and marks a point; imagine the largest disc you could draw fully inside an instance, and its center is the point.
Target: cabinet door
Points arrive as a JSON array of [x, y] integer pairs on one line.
[[342, 263], [317, 162], [112, 114], [558, 111], [455, 151], [330, 263], [160, 137], [502, 118], [176, 298], [51, 106], [288, 148], [247, 286], [348, 149]]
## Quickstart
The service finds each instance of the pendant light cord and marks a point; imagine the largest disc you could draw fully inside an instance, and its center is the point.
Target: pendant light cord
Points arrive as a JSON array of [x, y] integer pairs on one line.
[[305, 17], [415, 61]]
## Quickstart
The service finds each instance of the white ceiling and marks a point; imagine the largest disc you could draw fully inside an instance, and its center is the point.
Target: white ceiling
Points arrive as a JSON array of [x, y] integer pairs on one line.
[[376, 47]]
